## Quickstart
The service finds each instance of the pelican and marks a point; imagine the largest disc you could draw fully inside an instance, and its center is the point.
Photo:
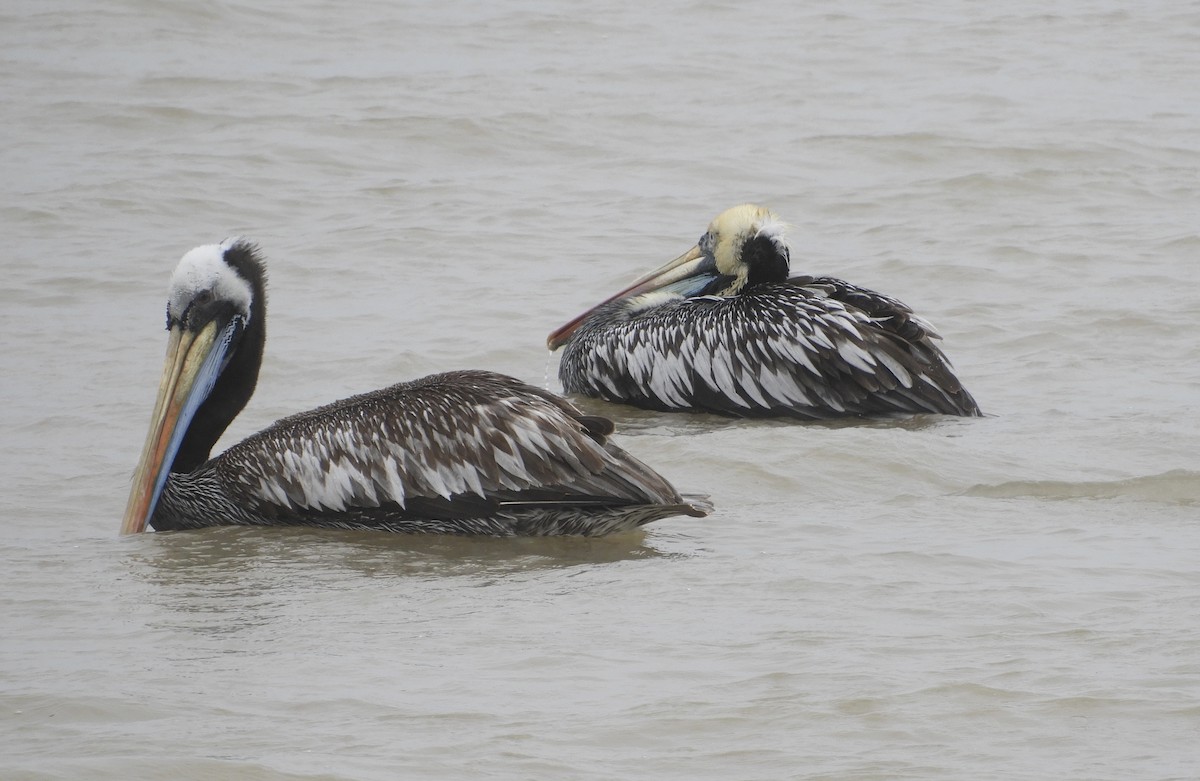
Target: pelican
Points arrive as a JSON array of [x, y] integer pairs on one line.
[[466, 452], [723, 328]]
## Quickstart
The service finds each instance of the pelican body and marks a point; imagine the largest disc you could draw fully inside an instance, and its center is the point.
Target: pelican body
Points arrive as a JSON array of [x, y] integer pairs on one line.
[[725, 329], [467, 452]]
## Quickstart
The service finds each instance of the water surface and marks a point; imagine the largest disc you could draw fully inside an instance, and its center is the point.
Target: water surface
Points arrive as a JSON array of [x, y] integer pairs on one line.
[[437, 187]]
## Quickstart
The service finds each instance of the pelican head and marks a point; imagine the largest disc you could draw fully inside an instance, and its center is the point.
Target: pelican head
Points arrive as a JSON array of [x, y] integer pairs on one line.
[[215, 310], [743, 247]]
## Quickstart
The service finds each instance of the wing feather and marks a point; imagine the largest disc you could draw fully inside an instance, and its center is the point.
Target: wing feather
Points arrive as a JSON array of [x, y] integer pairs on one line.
[[810, 347], [462, 434]]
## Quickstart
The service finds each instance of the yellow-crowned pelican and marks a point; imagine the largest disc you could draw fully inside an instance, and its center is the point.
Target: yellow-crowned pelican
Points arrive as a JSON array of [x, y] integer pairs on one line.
[[467, 452], [723, 328]]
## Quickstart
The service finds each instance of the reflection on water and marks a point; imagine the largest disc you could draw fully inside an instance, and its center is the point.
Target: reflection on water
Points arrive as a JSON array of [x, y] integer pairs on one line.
[[215, 583], [214, 555]]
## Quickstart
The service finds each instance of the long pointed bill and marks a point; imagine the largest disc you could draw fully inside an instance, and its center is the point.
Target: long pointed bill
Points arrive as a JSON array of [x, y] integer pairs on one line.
[[192, 364], [691, 263]]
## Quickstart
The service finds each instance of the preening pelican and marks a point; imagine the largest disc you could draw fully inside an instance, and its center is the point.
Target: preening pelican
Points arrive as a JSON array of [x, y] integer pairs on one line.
[[466, 452], [723, 328]]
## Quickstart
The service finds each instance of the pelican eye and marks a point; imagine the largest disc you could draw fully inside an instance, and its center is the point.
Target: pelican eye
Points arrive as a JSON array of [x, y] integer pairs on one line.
[[196, 307]]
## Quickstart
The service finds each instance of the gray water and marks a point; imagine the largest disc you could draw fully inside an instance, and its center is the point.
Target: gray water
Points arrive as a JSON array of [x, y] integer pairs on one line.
[[437, 186]]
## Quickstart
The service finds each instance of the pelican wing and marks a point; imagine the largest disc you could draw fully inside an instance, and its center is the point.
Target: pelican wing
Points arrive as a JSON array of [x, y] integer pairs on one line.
[[475, 438], [888, 313], [809, 347]]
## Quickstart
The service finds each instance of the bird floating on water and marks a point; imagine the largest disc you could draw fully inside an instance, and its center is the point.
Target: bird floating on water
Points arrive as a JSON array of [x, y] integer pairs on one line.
[[723, 328], [467, 452]]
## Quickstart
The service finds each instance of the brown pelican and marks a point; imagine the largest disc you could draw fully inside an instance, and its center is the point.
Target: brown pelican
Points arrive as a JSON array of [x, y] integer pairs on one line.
[[467, 452], [723, 328]]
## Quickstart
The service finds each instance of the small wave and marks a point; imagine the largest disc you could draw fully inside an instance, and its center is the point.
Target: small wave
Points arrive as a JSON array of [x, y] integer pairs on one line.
[[1178, 486]]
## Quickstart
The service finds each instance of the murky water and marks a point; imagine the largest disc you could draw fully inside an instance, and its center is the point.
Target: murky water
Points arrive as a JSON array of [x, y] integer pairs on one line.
[[438, 186]]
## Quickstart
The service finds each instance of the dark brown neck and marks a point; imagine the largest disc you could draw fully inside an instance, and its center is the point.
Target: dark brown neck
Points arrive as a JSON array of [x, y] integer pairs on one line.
[[766, 261]]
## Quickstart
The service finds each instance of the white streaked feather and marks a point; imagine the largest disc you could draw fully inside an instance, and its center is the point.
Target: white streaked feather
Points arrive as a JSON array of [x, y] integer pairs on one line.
[[750, 387], [798, 349], [393, 486], [668, 379], [901, 374], [856, 356], [817, 336], [723, 376]]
